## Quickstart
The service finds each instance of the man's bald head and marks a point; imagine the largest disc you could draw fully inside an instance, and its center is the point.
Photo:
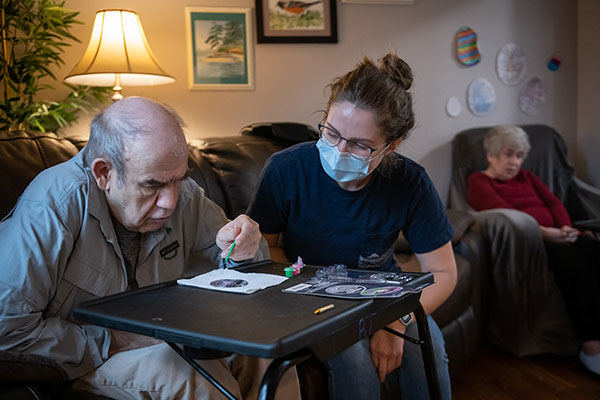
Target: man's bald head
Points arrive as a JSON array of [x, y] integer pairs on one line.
[[116, 130]]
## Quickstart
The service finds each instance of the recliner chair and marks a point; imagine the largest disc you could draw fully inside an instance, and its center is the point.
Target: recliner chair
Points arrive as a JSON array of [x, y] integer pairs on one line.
[[527, 313]]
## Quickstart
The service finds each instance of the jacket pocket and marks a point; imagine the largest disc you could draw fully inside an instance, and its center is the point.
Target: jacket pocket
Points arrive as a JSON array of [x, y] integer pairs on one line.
[[80, 282], [86, 277]]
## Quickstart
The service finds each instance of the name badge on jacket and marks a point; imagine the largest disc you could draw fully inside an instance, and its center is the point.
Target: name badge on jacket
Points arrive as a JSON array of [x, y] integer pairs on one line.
[[169, 251]]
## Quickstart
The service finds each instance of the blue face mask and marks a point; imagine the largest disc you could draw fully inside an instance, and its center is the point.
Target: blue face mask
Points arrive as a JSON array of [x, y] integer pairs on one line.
[[341, 167]]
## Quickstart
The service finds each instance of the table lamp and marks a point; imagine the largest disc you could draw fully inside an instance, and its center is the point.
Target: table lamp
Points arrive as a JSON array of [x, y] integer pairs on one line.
[[118, 55]]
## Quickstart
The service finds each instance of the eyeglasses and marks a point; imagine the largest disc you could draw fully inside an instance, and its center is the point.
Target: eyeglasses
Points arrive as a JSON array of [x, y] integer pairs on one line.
[[356, 149]]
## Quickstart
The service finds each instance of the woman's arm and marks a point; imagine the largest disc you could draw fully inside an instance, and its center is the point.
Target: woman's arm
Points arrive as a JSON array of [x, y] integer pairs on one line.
[[387, 349], [442, 264], [555, 206], [277, 253]]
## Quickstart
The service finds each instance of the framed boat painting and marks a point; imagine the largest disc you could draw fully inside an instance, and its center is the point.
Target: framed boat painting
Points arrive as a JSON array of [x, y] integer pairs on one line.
[[220, 48]]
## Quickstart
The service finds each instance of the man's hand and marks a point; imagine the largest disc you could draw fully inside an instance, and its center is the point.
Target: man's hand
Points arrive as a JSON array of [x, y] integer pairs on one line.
[[246, 234], [387, 349], [566, 234], [123, 341]]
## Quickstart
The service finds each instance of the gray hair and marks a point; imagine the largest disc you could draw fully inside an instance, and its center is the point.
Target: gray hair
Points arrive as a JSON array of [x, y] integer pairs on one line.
[[112, 130], [501, 136]]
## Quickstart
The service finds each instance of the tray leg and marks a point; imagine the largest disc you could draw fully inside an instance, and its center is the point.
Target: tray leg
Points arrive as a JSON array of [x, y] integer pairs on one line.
[[427, 350], [203, 372], [275, 371]]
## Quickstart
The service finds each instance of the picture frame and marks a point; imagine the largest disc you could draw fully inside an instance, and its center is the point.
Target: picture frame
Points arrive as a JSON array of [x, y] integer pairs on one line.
[[220, 48], [282, 21]]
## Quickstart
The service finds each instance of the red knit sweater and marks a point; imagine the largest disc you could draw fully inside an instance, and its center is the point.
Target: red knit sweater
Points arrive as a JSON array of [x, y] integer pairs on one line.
[[525, 192]]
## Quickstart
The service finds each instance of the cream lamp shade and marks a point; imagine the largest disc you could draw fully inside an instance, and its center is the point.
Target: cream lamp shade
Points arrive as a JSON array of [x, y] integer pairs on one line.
[[118, 55]]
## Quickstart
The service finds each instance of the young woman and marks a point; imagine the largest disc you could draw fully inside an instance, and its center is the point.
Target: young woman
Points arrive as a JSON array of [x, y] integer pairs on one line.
[[344, 199]]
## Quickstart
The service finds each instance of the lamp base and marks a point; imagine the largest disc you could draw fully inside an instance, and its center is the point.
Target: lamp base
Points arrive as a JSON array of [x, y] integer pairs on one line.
[[117, 93]]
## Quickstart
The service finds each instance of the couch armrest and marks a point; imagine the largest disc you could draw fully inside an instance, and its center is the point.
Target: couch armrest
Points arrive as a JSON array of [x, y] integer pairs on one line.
[[589, 198], [461, 222]]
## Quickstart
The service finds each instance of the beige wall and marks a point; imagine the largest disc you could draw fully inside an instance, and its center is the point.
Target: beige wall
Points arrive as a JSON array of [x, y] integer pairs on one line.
[[588, 92], [290, 77]]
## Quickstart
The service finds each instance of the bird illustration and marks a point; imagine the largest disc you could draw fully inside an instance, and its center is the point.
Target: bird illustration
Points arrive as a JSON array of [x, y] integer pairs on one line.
[[296, 7]]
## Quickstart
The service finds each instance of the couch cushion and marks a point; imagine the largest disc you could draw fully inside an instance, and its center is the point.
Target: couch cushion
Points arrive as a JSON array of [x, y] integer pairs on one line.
[[23, 155], [236, 163], [202, 172], [461, 296], [292, 131], [463, 337], [461, 221], [21, 369]]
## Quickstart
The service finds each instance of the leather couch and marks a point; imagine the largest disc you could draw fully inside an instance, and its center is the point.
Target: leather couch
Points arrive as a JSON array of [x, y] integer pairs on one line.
[[228, 169]]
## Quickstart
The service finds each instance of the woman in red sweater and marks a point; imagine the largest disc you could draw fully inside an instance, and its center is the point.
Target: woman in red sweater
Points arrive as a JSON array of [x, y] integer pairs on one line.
[[573, 256]]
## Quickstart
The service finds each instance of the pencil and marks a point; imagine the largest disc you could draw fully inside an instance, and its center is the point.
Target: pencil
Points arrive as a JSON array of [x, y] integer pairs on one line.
[[323, 309], [230, 250]]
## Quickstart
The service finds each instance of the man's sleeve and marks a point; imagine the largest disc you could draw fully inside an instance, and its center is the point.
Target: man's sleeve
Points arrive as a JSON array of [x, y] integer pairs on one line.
[[34, 250]]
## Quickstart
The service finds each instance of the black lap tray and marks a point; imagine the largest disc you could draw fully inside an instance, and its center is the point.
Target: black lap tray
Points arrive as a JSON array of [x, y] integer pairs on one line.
[[268, 323]]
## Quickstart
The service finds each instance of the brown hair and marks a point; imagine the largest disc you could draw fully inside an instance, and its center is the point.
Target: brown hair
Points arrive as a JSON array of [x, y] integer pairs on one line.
[[382, 89]]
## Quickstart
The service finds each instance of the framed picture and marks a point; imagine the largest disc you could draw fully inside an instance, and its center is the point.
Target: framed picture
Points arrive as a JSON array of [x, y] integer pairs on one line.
[[282, 21], [219, 47]]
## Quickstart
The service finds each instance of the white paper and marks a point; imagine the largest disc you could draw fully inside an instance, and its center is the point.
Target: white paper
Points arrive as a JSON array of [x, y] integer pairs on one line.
[[228, 280], [481, 97], [532, 96], [510, 64]]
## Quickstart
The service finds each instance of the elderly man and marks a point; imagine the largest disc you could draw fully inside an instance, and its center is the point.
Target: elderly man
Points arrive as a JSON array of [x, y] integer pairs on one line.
[[120, 215]]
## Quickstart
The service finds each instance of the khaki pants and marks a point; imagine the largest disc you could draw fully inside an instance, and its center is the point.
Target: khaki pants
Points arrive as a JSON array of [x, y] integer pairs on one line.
[[158, 372]]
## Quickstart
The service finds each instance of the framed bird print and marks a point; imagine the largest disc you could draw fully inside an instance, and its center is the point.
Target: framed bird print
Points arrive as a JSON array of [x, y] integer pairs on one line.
[[296, 21], [219, 47]]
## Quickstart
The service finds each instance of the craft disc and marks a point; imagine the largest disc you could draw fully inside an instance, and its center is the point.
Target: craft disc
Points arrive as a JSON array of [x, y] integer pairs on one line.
[[345, 289], [229, 283], [381, 290]]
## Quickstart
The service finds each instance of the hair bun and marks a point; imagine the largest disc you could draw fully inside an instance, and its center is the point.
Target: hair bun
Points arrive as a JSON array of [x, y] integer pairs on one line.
[[398, 69]]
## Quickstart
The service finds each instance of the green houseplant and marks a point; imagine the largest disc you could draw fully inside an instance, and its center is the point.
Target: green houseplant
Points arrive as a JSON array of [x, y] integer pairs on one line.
[[35, 34]]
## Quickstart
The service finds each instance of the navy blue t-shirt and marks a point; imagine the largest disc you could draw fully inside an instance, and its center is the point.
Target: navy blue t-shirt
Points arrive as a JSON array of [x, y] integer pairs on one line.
[[326, 225]]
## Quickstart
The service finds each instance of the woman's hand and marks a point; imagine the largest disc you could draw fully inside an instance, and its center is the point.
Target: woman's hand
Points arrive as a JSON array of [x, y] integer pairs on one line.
[[566, 234], [387, 349]]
